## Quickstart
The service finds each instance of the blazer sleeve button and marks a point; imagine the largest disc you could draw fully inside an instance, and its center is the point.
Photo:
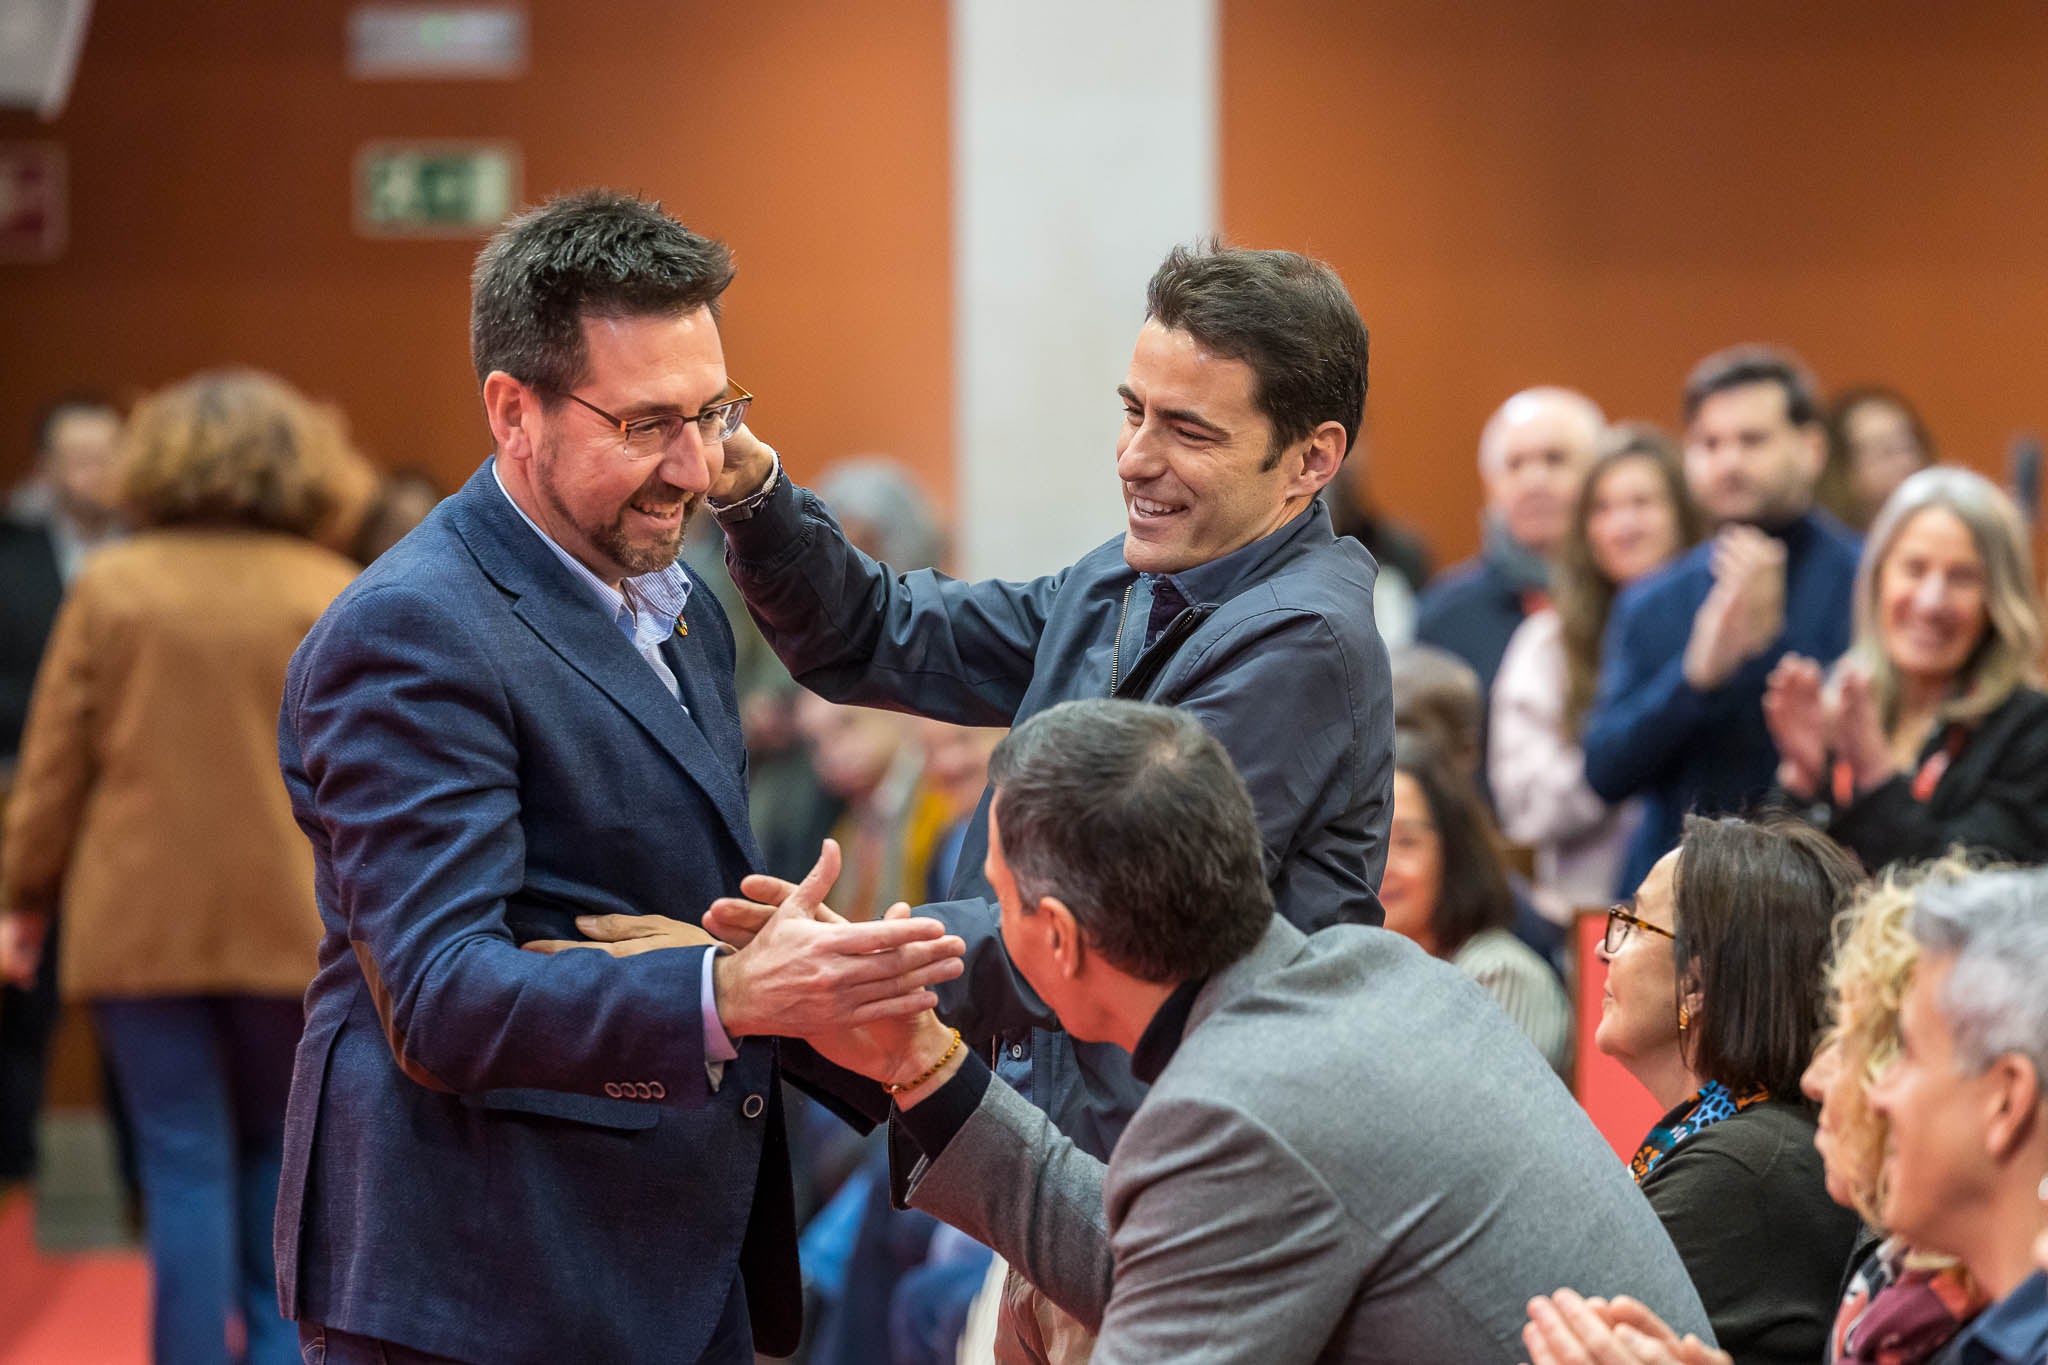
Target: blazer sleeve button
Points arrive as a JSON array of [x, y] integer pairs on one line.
[[613, 1089], [657, 1090]]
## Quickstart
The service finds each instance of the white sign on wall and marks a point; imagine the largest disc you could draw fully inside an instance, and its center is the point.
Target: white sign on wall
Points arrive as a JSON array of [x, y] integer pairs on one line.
[[436, 42]]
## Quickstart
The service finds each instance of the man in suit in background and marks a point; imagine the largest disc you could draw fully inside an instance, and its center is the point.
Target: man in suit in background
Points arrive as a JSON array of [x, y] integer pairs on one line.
[[521, 714], [1679, 715], [1348, 1152], [70, 507], [1533, 453]]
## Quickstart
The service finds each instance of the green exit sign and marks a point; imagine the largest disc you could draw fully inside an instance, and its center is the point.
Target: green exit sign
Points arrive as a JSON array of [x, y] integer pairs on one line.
[[435, 189]]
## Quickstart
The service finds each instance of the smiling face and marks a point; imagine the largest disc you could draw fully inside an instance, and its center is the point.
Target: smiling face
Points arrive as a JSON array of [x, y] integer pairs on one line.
[[1414, 877], [1931, 610], [620, 514], [1196, 457], [1631, 526], [1639, 1010]]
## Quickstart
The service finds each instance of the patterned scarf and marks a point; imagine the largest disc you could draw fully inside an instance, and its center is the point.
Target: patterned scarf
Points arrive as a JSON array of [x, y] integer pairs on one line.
[[1897, 1313], [1712, 1104]]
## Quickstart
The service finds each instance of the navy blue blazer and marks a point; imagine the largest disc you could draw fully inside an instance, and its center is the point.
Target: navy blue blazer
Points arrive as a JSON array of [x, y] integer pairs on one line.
[[490, 1154], [1651, 732]]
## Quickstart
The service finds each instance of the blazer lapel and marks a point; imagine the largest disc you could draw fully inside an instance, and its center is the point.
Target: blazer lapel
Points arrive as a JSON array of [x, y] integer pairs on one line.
[[561, 611]]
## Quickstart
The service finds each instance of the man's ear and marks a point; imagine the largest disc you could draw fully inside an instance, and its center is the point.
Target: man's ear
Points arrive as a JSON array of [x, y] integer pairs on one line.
[[1320, 459], [2012, 1105], [1063, 936], [514, 415]]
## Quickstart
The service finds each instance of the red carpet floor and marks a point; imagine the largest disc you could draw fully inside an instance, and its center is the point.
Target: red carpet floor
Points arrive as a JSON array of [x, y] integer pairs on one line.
[[90, 1309]]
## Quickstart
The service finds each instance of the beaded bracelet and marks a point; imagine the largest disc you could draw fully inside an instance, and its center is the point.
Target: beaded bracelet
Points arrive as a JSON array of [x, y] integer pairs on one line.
[[931, 1072]]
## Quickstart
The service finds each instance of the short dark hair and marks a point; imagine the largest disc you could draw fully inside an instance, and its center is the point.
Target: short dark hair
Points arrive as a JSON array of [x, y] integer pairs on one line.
[[1283, 314], [1473, 895], [1132, 815], [71, 404], [596, 253], [1740, 366], [1755, 901]]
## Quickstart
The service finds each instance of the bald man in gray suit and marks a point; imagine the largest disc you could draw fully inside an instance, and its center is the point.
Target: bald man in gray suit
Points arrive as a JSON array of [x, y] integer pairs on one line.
[[1348, 1152]]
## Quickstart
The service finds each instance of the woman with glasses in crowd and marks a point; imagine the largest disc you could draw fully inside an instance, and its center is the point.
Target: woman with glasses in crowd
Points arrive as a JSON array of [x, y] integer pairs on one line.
[[1898, 1306], [1446, 888], [149, 813], [1713, 1002], [1932, 731], [1633, 516]]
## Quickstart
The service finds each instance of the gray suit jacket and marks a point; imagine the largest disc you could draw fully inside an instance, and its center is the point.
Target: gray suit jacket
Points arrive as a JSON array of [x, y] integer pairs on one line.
[[1353, 1156]]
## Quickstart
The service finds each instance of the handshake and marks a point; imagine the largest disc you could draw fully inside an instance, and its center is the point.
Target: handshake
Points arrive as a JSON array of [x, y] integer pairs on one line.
[[860, 993]]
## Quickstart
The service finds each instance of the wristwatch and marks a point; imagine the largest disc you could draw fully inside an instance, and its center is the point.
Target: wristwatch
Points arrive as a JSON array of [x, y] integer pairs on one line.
[[728, 513]]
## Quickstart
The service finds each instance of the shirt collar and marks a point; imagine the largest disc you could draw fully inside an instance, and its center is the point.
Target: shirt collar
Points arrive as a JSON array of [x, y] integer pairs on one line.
[[1212, 582], [656, 599], [1161, 1038], [2014, 1330]]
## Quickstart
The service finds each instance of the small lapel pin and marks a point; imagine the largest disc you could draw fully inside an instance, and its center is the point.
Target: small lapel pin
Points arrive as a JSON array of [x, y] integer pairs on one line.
[[682, 626]]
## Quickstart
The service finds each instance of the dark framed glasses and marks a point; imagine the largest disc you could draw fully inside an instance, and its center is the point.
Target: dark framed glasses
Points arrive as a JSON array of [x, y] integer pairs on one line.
[[1621, 921]]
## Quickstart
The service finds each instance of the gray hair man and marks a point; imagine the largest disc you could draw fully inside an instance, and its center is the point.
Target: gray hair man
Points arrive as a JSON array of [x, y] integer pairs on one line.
[[1348, 1153], [1966, 1161]]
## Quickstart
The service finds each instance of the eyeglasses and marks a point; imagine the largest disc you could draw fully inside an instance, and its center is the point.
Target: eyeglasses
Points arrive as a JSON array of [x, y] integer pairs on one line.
[[645, 436], [1620, 922]]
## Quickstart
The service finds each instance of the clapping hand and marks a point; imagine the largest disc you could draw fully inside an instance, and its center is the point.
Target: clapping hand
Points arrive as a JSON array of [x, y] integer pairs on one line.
[[1798, 720], [1743, 612], [1565, 1329], [1857, 726]]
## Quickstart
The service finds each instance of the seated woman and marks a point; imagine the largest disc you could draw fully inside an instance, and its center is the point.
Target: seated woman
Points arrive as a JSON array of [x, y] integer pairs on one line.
[[1899, 1307], [1932, 732], [1713, 1002], [1633, 515], [1446, 889]]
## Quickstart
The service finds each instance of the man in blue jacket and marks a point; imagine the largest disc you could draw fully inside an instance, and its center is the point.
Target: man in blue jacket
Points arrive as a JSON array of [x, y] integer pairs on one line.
[[1227, 596], [1679, 713], [519, 716]]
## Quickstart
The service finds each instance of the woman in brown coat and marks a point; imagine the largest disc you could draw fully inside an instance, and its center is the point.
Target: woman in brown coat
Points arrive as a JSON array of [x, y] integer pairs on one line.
[[149, 813]]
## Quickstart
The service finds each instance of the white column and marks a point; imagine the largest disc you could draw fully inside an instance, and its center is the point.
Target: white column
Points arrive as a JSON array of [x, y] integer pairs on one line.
[[1084, 146]]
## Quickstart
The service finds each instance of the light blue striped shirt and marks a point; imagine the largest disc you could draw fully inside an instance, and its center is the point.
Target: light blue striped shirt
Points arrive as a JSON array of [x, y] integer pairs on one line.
[[647, 610]]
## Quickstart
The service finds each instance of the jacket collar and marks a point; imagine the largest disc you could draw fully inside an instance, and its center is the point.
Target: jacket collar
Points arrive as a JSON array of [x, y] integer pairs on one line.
[[1280, 944], [558, 609]]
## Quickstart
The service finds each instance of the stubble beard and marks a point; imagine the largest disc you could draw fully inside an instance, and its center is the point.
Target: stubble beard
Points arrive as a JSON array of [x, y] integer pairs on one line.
[[648, 555]]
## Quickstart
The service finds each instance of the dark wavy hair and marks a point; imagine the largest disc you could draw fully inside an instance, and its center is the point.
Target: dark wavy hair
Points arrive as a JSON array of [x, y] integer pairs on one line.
[[596, 253]]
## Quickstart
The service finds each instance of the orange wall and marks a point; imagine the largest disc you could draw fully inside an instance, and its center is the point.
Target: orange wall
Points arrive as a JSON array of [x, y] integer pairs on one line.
[[211, 145], [1598, 193]]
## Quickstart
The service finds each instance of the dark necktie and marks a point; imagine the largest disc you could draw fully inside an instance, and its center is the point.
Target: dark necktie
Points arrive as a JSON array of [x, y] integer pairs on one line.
[[1167, 603]]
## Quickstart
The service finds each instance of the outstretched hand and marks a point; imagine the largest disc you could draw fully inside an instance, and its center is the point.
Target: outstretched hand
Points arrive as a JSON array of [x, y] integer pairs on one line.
[[804, 971]]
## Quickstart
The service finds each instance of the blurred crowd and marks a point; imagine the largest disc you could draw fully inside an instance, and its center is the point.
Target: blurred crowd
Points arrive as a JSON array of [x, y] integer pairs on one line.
[[1788, 610]]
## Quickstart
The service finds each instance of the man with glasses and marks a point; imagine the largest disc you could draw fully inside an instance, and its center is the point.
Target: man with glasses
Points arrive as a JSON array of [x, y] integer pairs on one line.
[[520, 715], [1227, 595]]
